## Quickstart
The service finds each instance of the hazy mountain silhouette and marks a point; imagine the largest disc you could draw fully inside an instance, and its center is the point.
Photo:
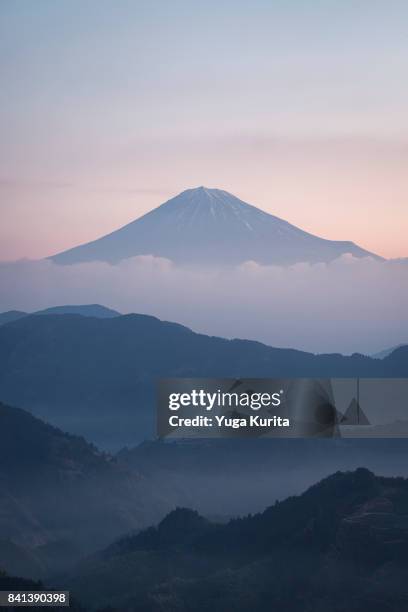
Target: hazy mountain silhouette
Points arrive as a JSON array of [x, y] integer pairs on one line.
[[226, 477], [61, 497], [11, 315], [386, 352], [86, 310], [96, 377], [210, 226], [342, 545]]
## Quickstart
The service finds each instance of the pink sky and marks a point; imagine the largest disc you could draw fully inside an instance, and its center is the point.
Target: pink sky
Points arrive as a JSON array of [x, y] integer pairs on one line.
[[107, 113], [342, 190]]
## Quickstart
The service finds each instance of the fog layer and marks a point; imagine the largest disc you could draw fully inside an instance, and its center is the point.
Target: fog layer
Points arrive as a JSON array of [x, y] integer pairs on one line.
[[349, 305]]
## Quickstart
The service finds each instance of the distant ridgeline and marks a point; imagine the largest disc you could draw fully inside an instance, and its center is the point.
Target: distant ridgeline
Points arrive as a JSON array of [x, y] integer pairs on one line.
[[96, 376]]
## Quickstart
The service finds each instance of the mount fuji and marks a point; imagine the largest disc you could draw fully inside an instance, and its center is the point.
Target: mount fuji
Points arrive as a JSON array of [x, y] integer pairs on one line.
[[210, 226]]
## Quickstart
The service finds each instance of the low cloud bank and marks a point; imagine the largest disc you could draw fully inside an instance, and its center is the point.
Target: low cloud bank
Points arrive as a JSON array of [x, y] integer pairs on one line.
[[345, 306]]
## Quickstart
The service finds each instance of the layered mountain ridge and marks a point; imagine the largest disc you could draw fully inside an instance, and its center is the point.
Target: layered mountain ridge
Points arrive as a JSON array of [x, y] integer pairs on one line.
[[60, 496], [341, 545], [72, 369]]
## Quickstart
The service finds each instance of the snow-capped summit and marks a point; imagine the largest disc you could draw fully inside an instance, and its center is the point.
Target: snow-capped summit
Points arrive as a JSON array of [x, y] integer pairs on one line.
[[210, 226]]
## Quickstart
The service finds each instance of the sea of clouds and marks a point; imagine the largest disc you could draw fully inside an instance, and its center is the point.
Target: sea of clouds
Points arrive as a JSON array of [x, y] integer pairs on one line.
[[349, 305]]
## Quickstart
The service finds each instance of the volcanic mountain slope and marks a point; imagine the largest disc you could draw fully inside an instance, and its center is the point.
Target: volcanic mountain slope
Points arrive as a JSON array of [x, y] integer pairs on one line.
[[96, 377], [210, 226], [342, 545], [60, 496]]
